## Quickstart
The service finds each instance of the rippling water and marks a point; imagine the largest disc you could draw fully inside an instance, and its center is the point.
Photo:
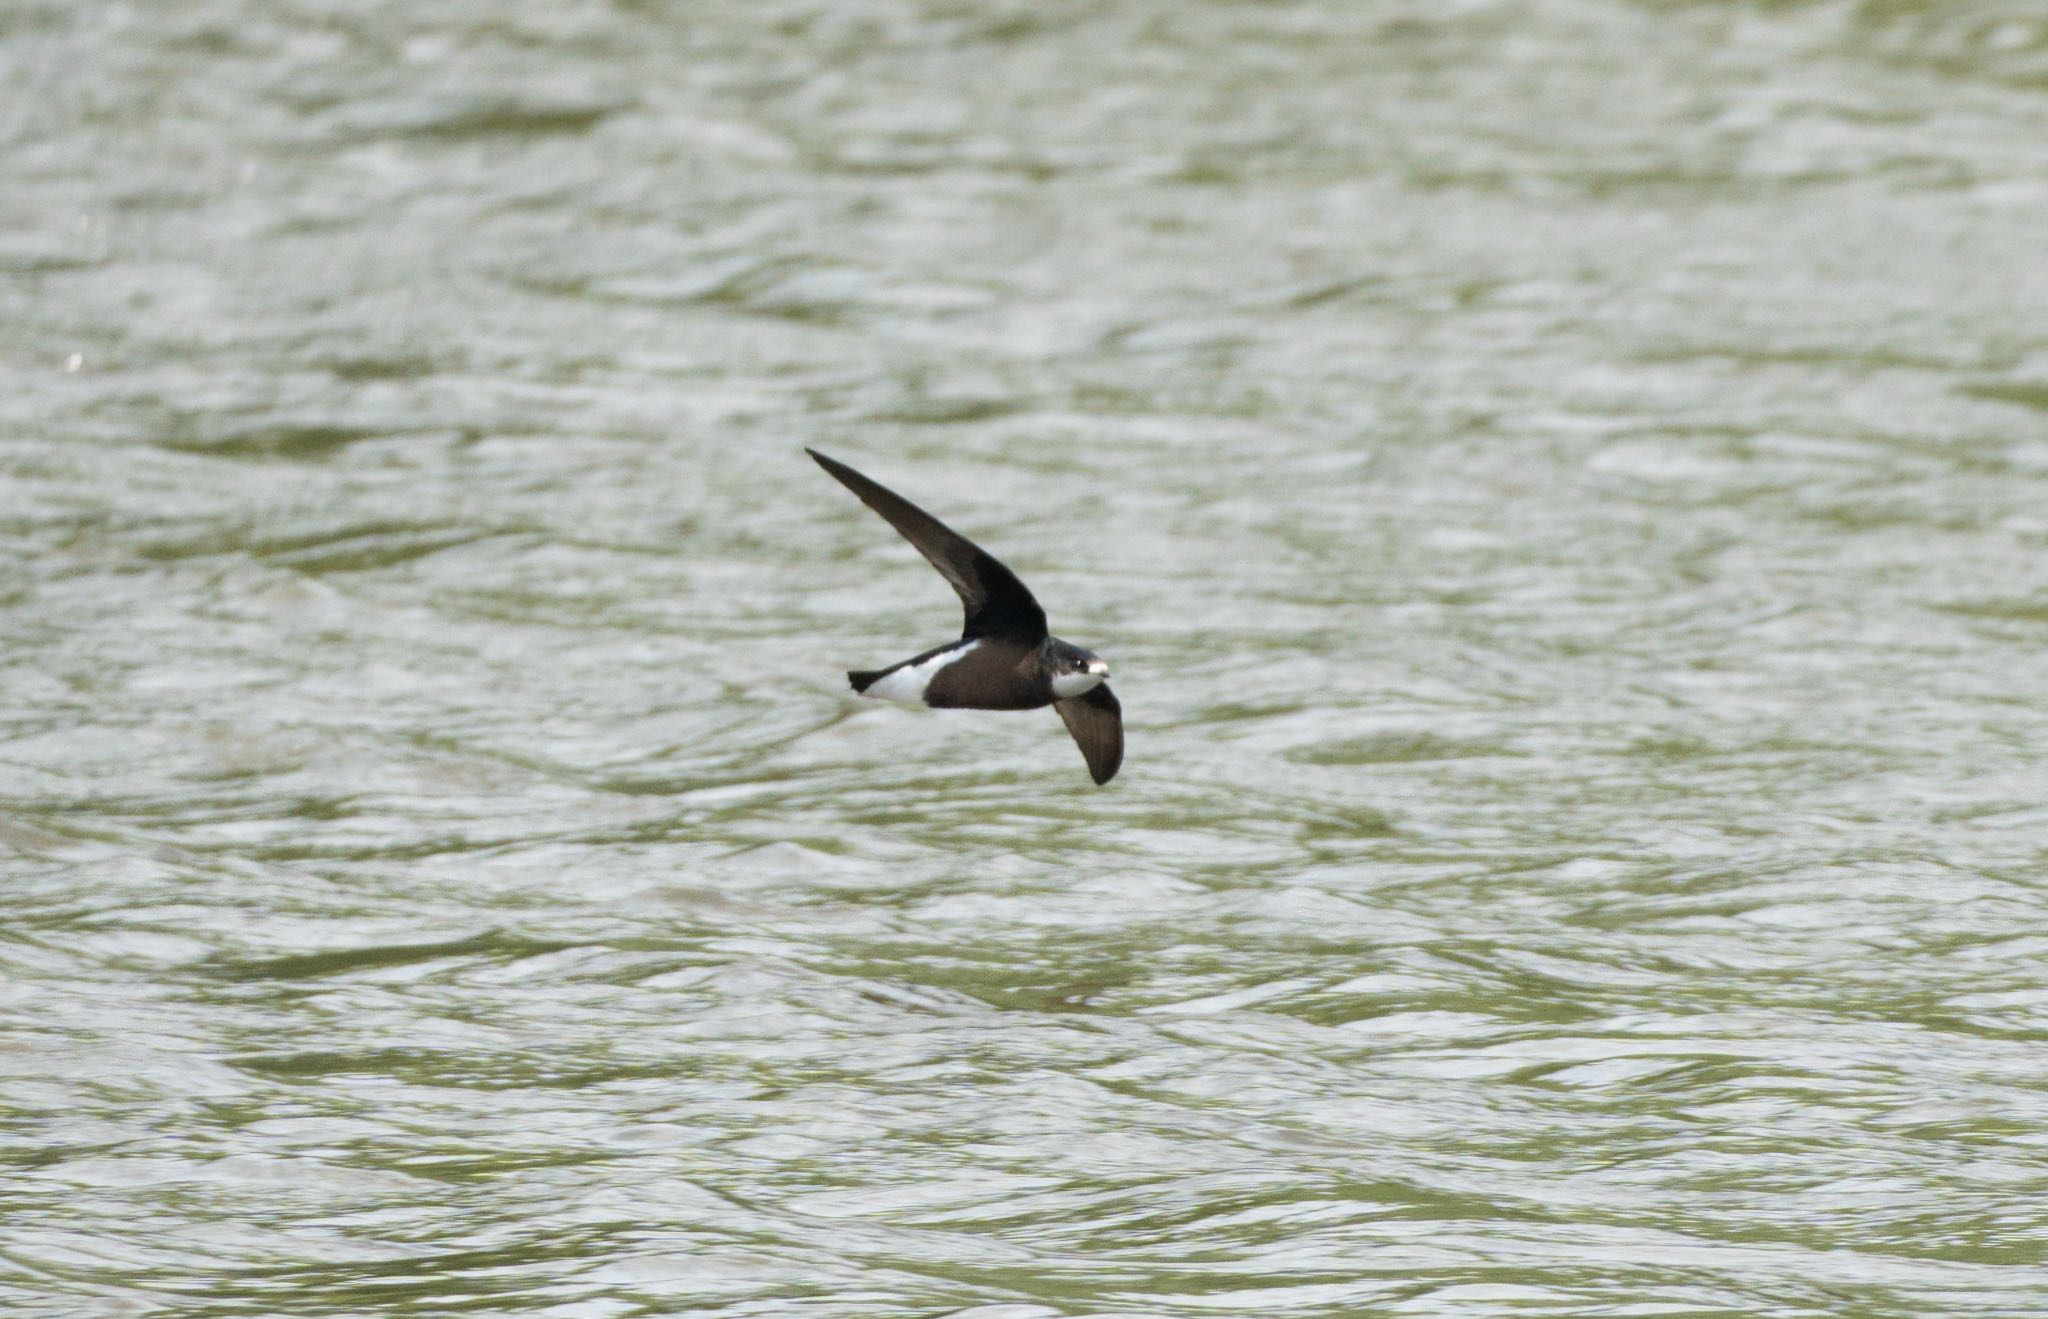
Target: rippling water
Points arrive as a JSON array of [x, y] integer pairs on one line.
[[1563, 484]]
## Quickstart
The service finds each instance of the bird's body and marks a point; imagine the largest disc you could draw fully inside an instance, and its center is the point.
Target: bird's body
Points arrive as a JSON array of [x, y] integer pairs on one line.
[[970, 675], [1005, 658]]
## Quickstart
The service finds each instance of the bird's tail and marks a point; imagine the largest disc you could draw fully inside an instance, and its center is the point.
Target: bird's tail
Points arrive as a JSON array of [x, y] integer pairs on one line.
[[863, 678]]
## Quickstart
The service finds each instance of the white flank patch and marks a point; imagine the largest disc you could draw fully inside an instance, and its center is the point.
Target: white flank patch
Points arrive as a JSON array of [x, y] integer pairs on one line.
[[908, 683], [1065, 685]]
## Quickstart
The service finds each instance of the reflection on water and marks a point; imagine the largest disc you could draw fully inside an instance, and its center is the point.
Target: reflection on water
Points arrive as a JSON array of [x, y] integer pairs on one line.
[[1562, 485]]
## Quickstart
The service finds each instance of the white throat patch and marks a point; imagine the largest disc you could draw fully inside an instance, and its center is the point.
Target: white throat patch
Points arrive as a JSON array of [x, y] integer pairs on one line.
[[908, 684], [1065, 685]]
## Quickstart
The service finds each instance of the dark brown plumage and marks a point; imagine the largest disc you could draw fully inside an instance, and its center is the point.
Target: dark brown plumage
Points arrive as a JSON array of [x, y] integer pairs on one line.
[[1005, 658]]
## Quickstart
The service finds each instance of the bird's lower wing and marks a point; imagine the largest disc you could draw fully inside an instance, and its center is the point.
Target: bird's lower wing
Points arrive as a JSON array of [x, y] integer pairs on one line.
[[1097, 722]]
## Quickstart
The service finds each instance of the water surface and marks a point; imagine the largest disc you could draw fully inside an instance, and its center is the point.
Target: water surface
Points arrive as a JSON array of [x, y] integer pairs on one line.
[[1563, 485]]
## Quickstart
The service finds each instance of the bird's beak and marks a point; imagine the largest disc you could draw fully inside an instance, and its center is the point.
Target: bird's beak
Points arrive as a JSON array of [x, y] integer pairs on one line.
[[1099, 666]]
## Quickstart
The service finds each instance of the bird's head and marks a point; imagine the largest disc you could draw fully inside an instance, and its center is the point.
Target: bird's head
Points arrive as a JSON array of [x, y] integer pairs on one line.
[[1074, 670]]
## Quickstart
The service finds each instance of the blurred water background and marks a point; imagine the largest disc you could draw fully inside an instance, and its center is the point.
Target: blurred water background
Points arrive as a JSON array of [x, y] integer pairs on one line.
[[1563, 485]]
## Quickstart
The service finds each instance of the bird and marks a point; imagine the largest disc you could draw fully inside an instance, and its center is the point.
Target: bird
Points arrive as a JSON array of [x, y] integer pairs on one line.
[[1005, 659]]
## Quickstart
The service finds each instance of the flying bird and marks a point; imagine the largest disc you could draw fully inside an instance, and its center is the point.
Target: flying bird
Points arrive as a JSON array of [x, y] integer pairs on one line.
[[1005, 659]]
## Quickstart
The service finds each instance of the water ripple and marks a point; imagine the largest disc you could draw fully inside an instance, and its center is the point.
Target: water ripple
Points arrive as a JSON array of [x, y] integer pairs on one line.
[[1560, 485]]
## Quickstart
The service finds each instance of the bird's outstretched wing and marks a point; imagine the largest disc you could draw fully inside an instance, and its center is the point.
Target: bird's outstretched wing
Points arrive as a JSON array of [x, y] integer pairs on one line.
[[1096, 719], [996, 602]]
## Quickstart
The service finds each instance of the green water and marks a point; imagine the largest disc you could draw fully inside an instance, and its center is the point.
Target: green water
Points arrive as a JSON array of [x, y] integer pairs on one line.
[[1563, 486]]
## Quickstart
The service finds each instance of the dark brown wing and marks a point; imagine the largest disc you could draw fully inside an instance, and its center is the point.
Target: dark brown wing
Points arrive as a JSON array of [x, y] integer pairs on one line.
[[1096, 719], [996, 602]]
